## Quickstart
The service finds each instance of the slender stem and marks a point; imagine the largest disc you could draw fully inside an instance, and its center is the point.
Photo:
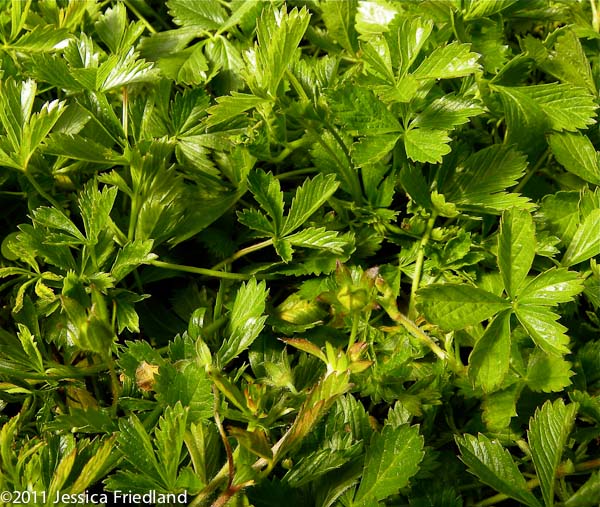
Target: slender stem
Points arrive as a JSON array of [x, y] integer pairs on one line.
[[293, 174], [535, 169], [296, 85], [412, 308], [144, 21], [354, 332], [241, 253], [42, 192], [202, 271], [124, 115]]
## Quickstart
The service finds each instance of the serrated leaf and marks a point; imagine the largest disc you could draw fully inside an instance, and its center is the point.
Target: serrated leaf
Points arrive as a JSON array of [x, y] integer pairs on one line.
[[485, 8], [246, 320], [255, 220], [494, 466], [586, 241], [42, 39], [371, 149], [453, 60], [577, 155], [412, 35], [541, 324], [267, 191], [567, 107], [82, 148], [320, 238], [484, 176], [95, 466], [447, 112], [169, 442], [131, 256], [122, 70], [557, 285], [278, 33], [426, 145], [548, 431], [339, 19], [452, 306], [54, 219], [112, 28], [231, 106], [135, 444], [308, 199], [516, 248], [560, 213], [95, 207], [200, 15], [392, 458], [489, 360], [189, 386], [547, 373]]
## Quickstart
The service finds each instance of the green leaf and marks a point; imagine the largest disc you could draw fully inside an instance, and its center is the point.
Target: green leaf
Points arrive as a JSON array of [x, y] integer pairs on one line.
[[547, 373], [452, 306], [516, 248], [31, 349], [494, 466], [392, 458], [426, 145], [587, 495], [188, 385], [131, 256], [485, 8], [371, 149], [135, 444], [246, 320], [453, 60], [551, 288], [230, 106], [256, 220], [122, 70], [339, 19], [308, 199], [278, 34], [320, 238], [447, 112], [540, 323], [95, 207], [548, 431], [112, 28], [169, 443], [267, 191], [489, 360], [577, 155], [500, 407], [483, 178], [54, 219], [412, 36], [82, 148], [560, 213], [586, 241], [567, 107], [200, 15], [42, 39]]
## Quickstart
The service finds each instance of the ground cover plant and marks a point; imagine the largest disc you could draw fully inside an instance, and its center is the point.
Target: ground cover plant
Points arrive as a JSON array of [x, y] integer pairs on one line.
[[330, 253]]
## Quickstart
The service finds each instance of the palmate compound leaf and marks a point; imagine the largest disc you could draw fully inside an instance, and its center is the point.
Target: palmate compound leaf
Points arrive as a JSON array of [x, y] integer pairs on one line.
[[516, 248], [453, 306], [392, 459], [548, 432], [494, 466], [489, 360], [246, 320]]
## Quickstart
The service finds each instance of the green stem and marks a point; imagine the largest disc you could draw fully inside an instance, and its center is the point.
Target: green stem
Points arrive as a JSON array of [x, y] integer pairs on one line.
[[144, 21], [354, 332], [535, 169], [296, 85], [202, 271], [42, 192], [412, 308], [241, 253]]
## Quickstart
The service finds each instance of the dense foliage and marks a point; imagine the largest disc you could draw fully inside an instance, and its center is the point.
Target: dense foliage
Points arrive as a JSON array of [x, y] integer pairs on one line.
[[330, 253]]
